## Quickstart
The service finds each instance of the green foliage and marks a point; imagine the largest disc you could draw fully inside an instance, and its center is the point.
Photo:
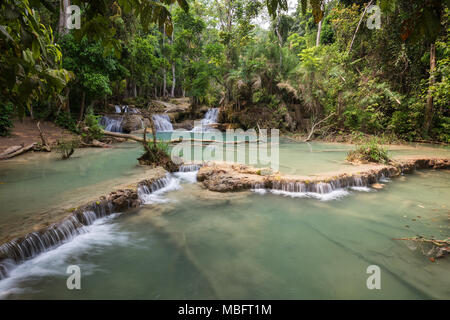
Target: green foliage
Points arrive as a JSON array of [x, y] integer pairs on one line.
[[144, 62], [30, 61], [65, 120], [94, 131], [94, 71], [66, 147], [370, 151], [157, 154], [101, 22], [6, 113]]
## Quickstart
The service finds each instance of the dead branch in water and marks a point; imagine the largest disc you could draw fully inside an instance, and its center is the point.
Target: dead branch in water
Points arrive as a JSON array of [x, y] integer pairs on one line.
[[315, 125], [439, 249], [45, 144], [439, 243]]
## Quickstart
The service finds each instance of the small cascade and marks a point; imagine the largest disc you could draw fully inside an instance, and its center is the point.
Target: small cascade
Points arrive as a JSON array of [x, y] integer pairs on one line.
[[125, 109], [162, 123], [188, 172], [111, 124], [21, 249], [189, 167], [33, 244], [319, 187], [323, 190], [211, 117], [152, 193], [145, 189]]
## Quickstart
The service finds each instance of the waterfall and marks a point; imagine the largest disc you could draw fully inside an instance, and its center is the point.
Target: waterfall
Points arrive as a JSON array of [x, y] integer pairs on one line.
[[211, 117], [162, 123], [111, 124], [152, 193], [322, 190], [33, 244], [20, 249], [189, 167], [125, 109]]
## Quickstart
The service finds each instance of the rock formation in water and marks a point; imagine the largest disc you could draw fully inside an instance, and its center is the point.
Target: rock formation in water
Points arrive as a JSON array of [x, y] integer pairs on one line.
[[223, 177]]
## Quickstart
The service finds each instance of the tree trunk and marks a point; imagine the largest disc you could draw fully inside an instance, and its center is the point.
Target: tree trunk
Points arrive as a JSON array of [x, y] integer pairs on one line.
[[164, 69], [172, 93], [280, 39], [134, 90], [429, 106], [83, 103], [62, 26], [319, 30], [359, 24]]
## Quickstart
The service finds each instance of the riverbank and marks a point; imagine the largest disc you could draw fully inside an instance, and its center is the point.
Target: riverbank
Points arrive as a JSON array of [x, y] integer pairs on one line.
[[358, 138]]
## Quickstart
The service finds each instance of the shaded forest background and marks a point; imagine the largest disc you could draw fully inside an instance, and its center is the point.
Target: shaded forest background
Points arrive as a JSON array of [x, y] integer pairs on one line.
[[319, 65]]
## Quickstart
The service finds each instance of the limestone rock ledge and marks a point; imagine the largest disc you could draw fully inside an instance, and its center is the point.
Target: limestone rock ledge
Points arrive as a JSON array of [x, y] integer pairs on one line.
[[53, 233], [225, 177]]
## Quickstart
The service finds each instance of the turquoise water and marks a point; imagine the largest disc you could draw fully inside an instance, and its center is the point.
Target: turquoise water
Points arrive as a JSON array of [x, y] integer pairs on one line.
[[190, 243], [250, 246]]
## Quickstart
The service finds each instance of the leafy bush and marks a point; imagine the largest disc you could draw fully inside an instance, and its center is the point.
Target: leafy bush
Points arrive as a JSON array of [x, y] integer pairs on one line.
[[6, 112], [94, 131], [65, 120], [157, 154], [66, 147], [370, 151]]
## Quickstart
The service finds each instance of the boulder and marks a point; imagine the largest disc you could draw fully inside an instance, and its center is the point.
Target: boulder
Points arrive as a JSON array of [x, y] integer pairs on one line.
[[134, 122], [187, 125]]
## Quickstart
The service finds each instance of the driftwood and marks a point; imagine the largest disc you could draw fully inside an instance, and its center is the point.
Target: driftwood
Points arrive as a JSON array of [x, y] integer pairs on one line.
[[45, 144], [440, 249], [23, 149], [11, 150], [95, 144]]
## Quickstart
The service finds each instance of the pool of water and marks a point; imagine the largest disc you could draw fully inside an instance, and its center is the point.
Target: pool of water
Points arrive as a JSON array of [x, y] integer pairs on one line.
[[190, 243], [200, 245]]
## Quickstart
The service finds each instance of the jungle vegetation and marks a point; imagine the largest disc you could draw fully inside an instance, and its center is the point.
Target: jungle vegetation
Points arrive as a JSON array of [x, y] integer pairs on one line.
[[267, 63]]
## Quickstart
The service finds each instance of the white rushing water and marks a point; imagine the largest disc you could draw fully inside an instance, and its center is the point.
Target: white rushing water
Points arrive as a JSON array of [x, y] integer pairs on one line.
[[111, 124], [125, 109], [211, 117], [102, 233], [162, 123]]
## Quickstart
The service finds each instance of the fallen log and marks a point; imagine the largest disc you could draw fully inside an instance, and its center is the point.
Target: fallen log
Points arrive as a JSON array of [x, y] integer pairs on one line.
[[123, 136], [11, 150], [95, 144], [139, 139], [19, 151]]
